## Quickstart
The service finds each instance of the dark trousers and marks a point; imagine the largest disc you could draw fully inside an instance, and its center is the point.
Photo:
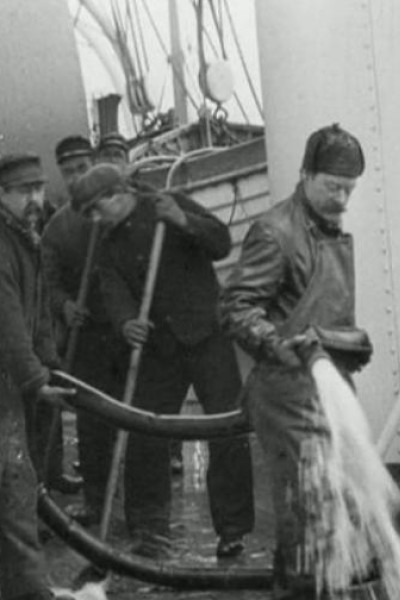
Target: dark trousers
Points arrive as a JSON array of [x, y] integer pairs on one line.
[[39, 418], [96, 363], [164, 380], [286, 416], [21, 564]]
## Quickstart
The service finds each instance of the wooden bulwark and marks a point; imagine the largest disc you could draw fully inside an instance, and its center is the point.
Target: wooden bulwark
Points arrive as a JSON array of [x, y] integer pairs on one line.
[[232, 183]]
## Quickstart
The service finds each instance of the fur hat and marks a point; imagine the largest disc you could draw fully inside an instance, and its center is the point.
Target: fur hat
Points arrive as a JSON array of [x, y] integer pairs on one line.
[[98, 181], [334, 151]]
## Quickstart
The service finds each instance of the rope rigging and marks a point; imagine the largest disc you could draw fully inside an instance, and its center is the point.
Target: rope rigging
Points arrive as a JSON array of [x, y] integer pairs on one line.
[[131, 63], [214, 50], [242, 60], [165, 50], [219, 28]]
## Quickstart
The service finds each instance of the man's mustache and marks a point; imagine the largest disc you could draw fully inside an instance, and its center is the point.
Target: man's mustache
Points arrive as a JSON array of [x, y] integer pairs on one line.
[[33, 216], [33, 211], [336, 210]]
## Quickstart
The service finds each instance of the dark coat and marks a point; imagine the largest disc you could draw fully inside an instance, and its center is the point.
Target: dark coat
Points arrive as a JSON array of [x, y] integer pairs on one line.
[[186, 293], [64, 246], [277, 263], [26, 339]]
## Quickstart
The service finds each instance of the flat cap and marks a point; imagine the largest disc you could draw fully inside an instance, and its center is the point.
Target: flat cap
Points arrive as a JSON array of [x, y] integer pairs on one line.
[[334, 151], [98, 181], [72, 146], [20, 169], [113, 140]]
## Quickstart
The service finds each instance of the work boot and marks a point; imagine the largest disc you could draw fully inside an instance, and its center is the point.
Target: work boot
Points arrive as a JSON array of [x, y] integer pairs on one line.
[[84, 514], [45, 534], [66, 484], [176, 466], [76, 465], [150, 544], [39, 594], [230, 546], [280, 584], [176, 461], [89, 574]]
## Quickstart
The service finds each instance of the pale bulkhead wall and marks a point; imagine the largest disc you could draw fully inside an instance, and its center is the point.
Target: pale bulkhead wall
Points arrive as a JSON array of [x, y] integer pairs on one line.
[[42, 97]]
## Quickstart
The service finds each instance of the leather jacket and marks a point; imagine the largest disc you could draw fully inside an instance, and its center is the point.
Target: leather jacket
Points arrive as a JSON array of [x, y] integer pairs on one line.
[[279, 258]]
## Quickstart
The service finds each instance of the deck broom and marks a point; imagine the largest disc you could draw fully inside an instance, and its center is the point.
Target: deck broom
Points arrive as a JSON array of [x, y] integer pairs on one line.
[[92, 571], [72, 342], [349, 498]]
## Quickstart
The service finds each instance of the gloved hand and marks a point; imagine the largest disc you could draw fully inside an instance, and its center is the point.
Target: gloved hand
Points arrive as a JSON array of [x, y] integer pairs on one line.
[[168, 210], [283, 351], [136, 332], [299, 350], [54, 395], [308, 347]]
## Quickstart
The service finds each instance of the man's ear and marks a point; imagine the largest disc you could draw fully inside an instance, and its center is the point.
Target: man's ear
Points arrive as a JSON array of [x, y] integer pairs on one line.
[[307, 175]]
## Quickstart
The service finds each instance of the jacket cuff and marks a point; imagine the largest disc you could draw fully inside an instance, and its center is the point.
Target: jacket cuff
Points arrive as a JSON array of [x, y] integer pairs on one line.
[[34, 384]]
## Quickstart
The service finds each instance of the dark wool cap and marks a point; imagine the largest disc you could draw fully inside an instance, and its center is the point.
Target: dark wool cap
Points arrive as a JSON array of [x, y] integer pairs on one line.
[[72, 146], [20, 169], [334, 151], [113, 140], [98, 181]]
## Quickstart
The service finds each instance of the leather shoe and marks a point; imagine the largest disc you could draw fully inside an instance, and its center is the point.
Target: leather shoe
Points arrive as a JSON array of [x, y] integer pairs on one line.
[[229, 547], [176, 466], [84, 514], [66, 484], [40, 594], [45, 534], [150, 544]]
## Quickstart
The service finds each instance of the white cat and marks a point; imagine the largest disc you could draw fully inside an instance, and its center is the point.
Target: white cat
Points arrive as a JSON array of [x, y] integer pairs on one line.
[[89, 591]]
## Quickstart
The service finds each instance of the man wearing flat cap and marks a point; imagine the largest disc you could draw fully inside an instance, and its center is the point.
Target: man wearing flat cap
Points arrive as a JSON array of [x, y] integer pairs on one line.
[[113, 148], [292, 286], [63, 230], [66, 236], [74, 156], [27, 351], [182, 345], [65, 244]]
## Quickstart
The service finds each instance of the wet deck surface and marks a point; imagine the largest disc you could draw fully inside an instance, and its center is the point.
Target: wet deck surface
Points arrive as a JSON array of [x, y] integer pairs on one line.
[[194, 541]]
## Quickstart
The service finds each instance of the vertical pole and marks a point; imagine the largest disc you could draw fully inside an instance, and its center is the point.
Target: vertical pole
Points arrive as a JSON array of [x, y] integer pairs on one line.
[[177, 63], [131, 379]]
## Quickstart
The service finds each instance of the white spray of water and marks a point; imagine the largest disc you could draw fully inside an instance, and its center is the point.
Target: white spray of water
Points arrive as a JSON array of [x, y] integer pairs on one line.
[[363, 495]]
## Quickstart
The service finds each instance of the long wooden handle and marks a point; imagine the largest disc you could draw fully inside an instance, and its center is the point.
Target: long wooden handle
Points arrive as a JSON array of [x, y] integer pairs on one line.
[[131, 379], [82, 295], [72, 342]]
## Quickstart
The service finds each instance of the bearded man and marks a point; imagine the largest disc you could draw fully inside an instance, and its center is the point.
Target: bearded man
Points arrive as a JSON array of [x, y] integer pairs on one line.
[[27, 350]]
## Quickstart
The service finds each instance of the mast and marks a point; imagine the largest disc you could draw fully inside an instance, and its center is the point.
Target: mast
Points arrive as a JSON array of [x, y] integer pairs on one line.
[[177, 64]]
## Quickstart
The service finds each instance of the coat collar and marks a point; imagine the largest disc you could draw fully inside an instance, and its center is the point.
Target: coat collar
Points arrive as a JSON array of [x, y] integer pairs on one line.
[[31, 237], [314, 221]]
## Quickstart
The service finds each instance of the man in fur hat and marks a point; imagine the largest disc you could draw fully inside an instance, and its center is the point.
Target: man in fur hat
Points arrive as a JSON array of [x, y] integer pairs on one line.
[[296, 271]]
